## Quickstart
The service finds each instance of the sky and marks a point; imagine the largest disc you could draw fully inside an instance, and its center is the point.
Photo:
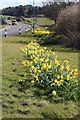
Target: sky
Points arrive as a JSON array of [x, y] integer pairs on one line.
[[10, 3], [7, 3]]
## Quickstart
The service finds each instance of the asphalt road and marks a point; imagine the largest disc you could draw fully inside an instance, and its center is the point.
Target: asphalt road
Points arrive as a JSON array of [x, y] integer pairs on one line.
[[14, 29]]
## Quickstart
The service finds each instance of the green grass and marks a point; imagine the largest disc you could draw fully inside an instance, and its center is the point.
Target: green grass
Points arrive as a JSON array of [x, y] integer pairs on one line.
[[28, 103], [6, 16], [42, 21], [2, 26]]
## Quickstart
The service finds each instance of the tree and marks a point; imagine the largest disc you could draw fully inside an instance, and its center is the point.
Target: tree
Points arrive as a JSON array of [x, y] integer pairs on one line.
[[52, 10], [68, 26], [20, 11]]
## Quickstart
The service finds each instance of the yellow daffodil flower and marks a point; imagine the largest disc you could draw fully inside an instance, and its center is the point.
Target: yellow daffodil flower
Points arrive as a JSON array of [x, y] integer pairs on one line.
[[55, 80], [67, 77], [54, 92], [62, 67], [32, 81]]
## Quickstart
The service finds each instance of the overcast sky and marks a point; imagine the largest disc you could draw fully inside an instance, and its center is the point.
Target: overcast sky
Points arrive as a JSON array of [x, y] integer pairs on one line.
[[7, 3]]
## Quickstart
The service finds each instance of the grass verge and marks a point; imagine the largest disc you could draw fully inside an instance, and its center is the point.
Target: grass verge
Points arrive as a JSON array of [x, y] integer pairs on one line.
[[27, 103], [41, 21]]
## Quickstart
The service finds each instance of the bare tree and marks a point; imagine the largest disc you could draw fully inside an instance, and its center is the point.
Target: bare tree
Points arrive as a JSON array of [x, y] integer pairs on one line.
[[68, 25], [52, 10]]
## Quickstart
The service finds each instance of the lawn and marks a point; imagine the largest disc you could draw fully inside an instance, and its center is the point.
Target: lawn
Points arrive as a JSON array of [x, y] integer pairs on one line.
[[42, 21], [27, 103], [2, 26], [7, 16]]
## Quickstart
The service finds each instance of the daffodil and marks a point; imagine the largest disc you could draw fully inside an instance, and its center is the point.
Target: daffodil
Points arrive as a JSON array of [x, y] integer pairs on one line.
[[54, 92], [19, 80], [27, 62], [23, 81], [30, 71], [25, 75], [35, 52], [52, 79], [58, 77], [71, 78], [67, 77], [58, 84], [22, 49], [35, 62], [24, 63], [32, 67], [46, 60], [68, 67], [36, 77], [61, 76], [75, 70], [30, 63], [31, 57], [55, 80], [74, 76], [41, 60], [32, 81], [26, 54], [61, 73], [57, 63], [39, 71], [44, 66], [62, 67], [61, 81], [44, 48], [50, 51], [35, 70], [66, 61], [53, 53]]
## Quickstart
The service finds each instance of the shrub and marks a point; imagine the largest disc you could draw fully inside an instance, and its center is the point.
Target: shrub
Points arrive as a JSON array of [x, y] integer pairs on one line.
[[48, 39], [47, 72], [67, 26], [3, 21], [51, 10]]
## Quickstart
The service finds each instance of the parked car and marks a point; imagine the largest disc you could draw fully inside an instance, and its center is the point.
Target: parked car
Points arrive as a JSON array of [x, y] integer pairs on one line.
[[14, 22]]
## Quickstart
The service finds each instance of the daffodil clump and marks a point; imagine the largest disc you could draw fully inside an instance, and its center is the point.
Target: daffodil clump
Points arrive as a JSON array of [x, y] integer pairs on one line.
[[39, 31], [46, 71]]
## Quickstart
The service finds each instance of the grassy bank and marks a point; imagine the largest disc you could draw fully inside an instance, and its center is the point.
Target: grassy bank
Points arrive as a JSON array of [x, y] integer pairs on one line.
[[27, 103], [7, 16], [42, 21], [2, 26]]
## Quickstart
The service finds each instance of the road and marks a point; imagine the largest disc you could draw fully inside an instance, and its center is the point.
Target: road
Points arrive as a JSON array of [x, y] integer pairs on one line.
[[14, 29]]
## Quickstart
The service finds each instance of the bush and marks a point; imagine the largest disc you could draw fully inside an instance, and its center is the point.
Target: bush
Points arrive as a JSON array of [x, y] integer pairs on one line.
[[67, 26], [49, 39], [3, 21]]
